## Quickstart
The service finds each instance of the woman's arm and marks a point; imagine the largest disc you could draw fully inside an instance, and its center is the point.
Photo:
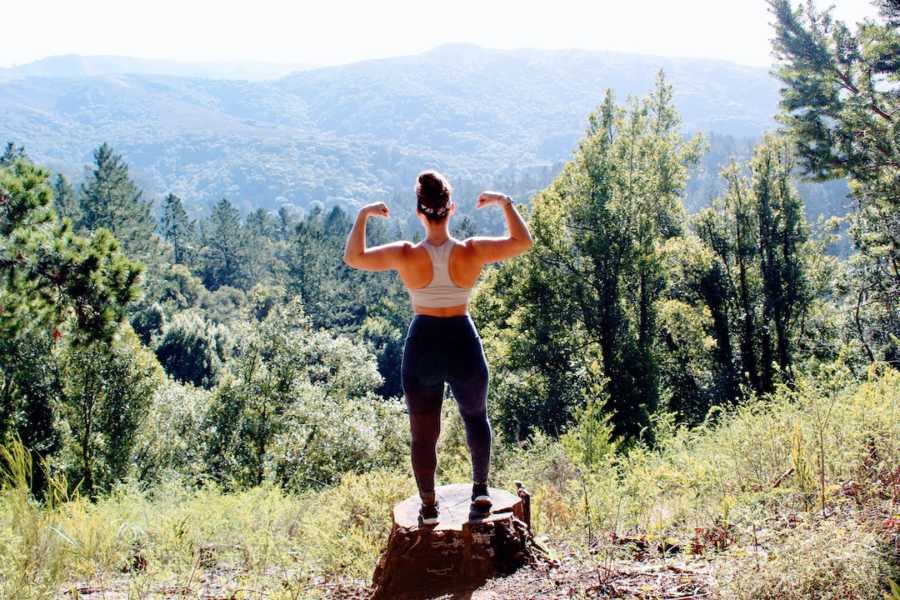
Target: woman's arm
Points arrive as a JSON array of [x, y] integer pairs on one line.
[[379, 258], [517, 241]]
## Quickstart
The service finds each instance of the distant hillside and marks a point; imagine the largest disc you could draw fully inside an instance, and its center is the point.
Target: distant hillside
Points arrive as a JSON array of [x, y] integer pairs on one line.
[[73, 65], [358, 132]]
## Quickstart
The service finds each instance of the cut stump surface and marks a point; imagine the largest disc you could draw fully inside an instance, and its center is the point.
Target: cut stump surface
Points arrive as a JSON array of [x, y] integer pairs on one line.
[[459, 553], [453, 502]]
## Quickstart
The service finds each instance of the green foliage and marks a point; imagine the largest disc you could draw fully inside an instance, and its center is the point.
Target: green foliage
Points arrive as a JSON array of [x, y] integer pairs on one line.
[[12, 154], [223, 256], [589, 441], [65, 201], [759, 236], [840, 106], [178, 289], [49, 271], [110, 200], [31, 384], [49, 274], [179, 231], [194, 350], [168, 445], [299, 407], [148, 322], [591, 282], [107, 388]]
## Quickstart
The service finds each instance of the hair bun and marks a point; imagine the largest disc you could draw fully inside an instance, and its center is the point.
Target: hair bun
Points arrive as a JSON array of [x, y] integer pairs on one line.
[[431, 183], [433, 194]]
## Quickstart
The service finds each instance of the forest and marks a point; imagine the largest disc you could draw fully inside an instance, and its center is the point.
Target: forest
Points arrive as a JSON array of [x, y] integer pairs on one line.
[[702, 398]]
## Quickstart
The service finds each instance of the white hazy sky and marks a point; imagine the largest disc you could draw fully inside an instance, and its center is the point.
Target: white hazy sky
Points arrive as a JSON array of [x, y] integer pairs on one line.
[[332, 31]]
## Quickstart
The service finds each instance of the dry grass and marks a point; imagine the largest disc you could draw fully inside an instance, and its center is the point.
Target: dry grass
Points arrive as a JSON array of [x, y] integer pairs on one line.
[[744, 493]]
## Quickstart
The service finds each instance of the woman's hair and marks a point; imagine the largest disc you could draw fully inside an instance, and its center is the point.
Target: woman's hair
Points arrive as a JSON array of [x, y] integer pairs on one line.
[[433, 195]]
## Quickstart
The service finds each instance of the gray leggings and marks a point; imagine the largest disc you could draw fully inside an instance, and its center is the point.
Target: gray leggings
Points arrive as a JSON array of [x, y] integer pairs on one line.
[[438, 350]]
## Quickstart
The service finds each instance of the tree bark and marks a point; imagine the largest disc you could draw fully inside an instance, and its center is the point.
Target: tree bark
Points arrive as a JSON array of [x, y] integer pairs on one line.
[[461, 552]]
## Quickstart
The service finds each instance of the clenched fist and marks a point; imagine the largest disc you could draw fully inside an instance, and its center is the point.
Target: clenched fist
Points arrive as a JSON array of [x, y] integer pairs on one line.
[[376, 209], [488, 198]]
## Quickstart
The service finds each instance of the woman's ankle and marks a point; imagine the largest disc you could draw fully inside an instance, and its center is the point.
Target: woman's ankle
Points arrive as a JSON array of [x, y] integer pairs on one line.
[[428, 498]]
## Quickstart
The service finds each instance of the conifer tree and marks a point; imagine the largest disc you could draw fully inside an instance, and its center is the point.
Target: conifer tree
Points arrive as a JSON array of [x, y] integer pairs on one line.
[[782, 236], [758, 233], [841, 107], [48, 275], [11, 154], [224, 253], [65, 202], [584, 300], [110, 200], [49, 271], [178, 230]]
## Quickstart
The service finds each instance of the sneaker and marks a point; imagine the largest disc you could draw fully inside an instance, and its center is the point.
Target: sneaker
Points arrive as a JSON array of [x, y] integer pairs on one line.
[[481, 498], [428, 514]]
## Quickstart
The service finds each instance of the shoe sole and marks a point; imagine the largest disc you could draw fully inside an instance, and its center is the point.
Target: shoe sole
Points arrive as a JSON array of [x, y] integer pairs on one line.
[[482, 502], [428, 522]]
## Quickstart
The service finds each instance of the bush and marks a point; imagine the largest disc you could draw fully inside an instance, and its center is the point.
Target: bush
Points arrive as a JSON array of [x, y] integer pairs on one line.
[[827, 561], [194, 350], [169, 443], [148, 322], [107, 390], [299, 407], [329, 437]]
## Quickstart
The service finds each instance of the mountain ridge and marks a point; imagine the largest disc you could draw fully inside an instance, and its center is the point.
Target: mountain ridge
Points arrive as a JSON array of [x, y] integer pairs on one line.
[[73, 66], [352, 133]]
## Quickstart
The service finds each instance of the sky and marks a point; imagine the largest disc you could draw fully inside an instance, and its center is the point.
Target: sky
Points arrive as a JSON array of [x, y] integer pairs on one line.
[[323, 32]]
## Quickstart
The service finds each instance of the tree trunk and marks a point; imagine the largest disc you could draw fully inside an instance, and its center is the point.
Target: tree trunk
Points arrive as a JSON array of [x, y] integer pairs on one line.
[[458, 554]]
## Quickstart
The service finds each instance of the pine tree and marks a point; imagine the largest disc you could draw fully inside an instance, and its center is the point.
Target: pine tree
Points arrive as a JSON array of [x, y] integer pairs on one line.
[[65, 201], [11, 154], [48, 270], [47, 276], [286, 223], [224, 255], [842, 110], [110, 200], [178, 230]]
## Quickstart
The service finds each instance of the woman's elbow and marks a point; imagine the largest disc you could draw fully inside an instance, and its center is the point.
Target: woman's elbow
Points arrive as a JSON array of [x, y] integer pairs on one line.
[[525, 244], [351, 261]]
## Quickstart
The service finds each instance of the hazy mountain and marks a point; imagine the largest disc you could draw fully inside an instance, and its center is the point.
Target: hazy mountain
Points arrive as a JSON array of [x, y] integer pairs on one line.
[[357, 132], [73, 66]]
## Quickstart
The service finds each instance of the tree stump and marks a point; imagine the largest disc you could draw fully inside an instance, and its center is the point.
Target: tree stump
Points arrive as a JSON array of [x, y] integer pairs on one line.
[[458, 554]]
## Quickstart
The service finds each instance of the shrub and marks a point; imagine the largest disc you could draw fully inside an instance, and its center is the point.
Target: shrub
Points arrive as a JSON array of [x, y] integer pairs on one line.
[[826, 561], [169, 442], [107, 389], [193, 350], [299, 407]]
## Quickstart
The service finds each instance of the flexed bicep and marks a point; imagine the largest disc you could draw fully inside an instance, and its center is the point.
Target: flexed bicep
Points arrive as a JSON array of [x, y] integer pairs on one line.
[[517, 241], [379, 258], [495, 249]]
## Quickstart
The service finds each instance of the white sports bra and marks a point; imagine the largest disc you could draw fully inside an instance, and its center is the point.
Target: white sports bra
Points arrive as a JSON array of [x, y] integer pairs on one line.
[[440, 292]]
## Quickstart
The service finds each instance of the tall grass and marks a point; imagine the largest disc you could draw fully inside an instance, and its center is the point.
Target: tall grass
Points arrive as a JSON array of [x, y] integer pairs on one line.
[[763, 472]]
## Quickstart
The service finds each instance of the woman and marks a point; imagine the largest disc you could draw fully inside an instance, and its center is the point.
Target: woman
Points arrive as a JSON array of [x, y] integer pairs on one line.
[[442, 344]]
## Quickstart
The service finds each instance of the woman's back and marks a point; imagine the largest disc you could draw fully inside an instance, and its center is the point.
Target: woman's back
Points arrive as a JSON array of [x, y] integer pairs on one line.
[[442, 290], [442, 345]]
